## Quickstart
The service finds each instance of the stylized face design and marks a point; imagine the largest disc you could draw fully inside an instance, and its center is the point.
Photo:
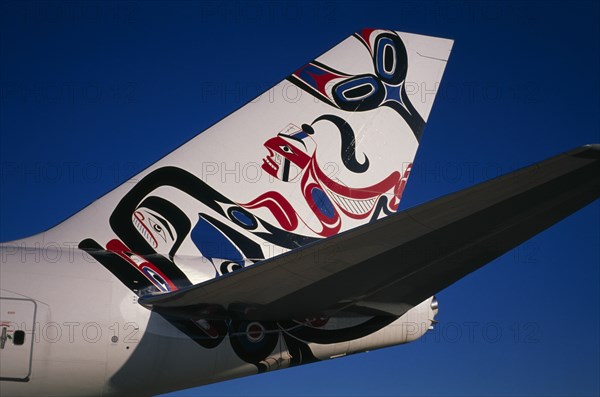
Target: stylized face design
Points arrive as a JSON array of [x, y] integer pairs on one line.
[[289, 154], [157, 231]]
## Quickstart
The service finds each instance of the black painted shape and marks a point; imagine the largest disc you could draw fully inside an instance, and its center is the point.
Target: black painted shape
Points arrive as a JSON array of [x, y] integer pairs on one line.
[[124, 271], [348, 149]]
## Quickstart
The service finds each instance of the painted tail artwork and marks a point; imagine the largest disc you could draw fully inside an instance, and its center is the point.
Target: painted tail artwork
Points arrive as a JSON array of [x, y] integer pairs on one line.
[[272, 239], [336, 157]]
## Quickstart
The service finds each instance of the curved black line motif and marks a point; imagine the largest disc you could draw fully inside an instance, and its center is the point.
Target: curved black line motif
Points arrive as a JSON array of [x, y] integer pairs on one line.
[[140, 219], [398, 57], [382, 205], [409, 113], [173, 214], [165, 176], [129, 276], [330, 69], [385, 87], [188, 183], [229, 267], [348, 149]]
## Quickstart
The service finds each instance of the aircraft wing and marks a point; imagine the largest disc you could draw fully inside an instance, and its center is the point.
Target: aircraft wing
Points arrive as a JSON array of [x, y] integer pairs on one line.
[[387, 267]]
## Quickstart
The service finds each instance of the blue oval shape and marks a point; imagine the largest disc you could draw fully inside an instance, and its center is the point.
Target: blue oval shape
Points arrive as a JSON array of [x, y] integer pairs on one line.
[[386, 58], [243, 218], [323, 203], [357, 89]]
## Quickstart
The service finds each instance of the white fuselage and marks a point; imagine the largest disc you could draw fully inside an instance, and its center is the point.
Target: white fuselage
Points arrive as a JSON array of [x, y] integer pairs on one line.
[[86, 335]]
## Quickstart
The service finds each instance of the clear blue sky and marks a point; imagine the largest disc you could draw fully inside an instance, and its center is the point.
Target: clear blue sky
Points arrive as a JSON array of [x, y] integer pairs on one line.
[[94, 92]]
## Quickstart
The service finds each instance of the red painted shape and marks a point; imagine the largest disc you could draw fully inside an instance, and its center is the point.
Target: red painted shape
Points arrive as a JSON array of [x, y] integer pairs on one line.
[[122, 250], [279, 206]]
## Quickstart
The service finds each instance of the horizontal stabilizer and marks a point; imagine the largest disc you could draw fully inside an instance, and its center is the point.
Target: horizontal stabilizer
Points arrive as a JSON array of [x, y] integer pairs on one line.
[[388, 266]]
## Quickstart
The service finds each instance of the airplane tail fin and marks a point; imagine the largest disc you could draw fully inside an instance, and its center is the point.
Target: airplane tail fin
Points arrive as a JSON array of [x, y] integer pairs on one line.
[[328, 149]]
